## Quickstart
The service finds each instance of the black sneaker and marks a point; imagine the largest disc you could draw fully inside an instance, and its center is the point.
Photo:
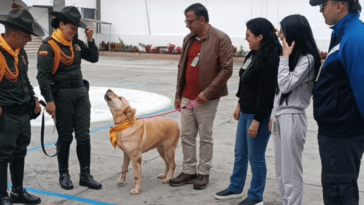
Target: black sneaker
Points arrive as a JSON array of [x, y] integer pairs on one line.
[[249, 201], [21, 196], [226, 194]]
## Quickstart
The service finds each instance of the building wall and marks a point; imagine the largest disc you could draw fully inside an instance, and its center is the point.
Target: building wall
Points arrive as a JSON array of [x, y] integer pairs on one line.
[[166, 18], [39, 9], [76, 3]]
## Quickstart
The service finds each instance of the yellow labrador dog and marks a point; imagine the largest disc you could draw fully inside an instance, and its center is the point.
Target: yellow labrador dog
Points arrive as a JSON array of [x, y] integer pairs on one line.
[[141, 136]]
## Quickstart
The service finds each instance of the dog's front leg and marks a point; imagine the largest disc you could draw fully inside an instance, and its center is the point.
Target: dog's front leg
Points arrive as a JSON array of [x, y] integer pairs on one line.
[[124, 169], [137, 165]]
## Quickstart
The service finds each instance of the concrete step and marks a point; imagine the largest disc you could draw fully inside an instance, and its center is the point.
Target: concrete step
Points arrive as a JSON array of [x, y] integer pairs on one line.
[[33, 46]]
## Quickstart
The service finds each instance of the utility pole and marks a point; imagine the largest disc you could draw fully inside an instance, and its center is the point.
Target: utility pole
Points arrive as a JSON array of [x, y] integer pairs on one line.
[[58, 5]]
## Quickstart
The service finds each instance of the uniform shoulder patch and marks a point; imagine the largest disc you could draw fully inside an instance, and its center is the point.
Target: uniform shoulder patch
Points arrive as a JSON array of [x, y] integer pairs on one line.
[[43, 53]]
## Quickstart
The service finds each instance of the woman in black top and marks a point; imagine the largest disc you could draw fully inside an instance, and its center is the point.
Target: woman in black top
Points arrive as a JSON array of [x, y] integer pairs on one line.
[[258, 81]]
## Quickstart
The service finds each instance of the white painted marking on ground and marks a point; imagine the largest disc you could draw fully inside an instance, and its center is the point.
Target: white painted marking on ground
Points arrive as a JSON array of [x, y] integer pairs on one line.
[[144, 102]]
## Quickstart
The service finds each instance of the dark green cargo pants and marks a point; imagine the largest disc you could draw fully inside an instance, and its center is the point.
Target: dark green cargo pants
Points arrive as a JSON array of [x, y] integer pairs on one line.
[[14, 133], [73, 111]]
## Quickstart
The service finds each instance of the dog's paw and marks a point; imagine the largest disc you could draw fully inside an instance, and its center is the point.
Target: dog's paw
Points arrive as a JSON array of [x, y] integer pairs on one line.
[[121, 180], [166, 180], [134, 191], [162, 176]]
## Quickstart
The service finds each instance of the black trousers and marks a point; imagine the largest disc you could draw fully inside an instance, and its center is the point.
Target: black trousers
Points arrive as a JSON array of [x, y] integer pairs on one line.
[[14, 134], [73, 110], [340, 160], [14, 140]]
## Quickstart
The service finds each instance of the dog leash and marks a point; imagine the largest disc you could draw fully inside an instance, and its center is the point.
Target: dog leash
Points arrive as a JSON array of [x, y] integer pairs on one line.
[[192, 104], [42, 131]]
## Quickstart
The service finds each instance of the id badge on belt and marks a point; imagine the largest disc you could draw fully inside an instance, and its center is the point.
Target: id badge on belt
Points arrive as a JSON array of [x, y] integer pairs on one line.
[[195, 61], [275, 127]]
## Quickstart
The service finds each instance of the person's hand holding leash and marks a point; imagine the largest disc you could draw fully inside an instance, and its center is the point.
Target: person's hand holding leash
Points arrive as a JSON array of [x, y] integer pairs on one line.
[[51, 109], [177, 104], [201, 99]]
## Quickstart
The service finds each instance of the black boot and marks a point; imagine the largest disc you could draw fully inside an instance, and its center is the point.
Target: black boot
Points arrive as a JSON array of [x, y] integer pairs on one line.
[[5, 200], [18, 194], [63, 153], [84, 157], [4, 197], [21, 196]]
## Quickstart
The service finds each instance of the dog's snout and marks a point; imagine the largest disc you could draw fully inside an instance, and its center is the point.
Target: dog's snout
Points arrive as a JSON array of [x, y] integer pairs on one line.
[[106, 97]]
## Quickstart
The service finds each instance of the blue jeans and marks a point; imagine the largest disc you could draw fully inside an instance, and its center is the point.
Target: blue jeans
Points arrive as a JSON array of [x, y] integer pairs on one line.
[[252, 149]]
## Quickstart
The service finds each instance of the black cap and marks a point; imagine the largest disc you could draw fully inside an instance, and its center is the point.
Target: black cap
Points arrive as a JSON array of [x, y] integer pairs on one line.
[[20, 19], [69, 14], [318, 2]]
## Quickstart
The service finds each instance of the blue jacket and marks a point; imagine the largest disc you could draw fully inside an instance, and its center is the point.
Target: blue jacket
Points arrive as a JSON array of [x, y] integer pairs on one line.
[[339, 92]]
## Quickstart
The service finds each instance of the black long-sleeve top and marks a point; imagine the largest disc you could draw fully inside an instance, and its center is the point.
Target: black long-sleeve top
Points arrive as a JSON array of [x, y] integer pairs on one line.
[[257, 86], [20, 92], [64, 73]]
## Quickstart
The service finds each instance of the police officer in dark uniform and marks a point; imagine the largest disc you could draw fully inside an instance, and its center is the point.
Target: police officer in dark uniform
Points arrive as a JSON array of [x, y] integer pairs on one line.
[[16, 93], [61, 83]]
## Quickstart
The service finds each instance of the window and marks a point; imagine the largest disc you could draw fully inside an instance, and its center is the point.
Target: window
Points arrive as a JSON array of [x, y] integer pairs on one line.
[[89, 13]]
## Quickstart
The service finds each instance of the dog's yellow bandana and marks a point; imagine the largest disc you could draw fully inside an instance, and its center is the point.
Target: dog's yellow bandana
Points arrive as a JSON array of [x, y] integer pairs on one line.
[[114, 130]]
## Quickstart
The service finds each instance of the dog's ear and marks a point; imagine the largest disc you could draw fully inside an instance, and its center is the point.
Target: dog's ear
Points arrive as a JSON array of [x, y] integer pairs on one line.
[[133, 111], [128, 112]]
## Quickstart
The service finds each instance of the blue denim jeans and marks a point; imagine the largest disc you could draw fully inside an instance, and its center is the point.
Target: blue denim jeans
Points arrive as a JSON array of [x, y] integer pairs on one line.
[[252, 149]]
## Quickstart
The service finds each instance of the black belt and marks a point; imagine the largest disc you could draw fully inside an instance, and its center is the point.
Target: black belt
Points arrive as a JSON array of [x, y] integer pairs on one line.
[[69, 84], [16, 110]]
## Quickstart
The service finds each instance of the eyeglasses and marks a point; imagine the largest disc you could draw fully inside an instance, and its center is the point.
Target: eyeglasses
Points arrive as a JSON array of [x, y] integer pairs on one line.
[[322, 7], [190, 22]]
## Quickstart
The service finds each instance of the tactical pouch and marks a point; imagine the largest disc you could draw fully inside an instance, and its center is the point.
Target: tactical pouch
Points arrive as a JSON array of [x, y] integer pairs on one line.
[[86, 84], [32, 104]]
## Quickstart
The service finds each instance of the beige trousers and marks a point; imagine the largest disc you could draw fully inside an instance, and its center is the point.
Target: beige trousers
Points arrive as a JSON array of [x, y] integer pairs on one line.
[[197, 120]]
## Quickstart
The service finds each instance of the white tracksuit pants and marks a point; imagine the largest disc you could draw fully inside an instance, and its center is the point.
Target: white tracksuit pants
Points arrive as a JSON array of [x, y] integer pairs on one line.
[[288, 148]]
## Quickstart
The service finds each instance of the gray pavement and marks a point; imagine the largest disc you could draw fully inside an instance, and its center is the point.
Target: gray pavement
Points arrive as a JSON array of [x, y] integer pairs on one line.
[[158, 76]]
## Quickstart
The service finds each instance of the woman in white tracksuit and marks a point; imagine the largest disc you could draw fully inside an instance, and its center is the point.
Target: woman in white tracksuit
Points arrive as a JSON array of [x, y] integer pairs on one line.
[[298, 67]]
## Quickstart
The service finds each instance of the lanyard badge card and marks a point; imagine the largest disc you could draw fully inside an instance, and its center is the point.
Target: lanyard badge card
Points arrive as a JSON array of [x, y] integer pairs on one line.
[[247, 64], [195, 61]]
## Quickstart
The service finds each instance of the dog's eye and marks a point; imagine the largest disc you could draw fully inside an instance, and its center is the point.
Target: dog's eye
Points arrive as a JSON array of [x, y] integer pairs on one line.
[[121, 98]]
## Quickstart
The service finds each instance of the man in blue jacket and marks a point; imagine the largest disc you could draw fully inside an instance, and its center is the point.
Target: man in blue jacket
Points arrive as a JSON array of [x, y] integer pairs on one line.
[[339, 102]]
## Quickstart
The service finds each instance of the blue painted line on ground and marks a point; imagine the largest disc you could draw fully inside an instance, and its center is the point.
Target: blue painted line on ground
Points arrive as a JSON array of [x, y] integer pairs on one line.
[[64, 196], [232, 90], [39, 148]]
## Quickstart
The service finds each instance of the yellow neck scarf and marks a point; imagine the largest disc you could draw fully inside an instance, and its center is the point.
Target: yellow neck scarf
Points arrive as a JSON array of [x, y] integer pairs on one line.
[[59, 37], [4, 68], [114, 130], [59, 55]]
